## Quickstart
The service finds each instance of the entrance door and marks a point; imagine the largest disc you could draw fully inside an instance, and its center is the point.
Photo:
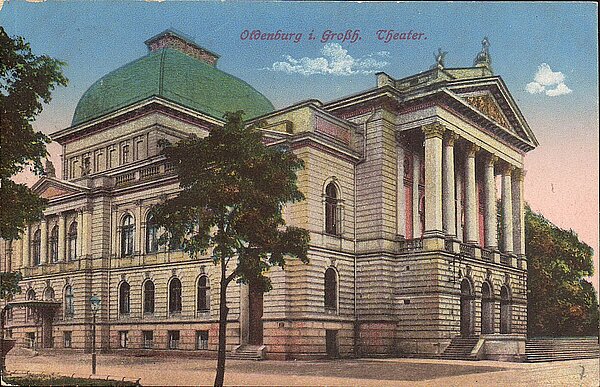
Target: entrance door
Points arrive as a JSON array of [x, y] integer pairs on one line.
[[487, 309], [505, 310], [331, 343], [255, 296], [467, 309], [47, 339]]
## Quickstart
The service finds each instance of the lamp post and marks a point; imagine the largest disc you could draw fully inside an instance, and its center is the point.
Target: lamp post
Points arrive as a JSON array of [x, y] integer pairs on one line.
[[95, 304]]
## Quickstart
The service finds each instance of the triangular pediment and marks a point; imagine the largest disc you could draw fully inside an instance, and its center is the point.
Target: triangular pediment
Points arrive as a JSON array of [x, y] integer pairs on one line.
[[491, 99], [51, 188]]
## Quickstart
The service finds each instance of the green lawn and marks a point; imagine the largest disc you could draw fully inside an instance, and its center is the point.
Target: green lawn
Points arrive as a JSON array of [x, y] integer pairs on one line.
[[45, 380]]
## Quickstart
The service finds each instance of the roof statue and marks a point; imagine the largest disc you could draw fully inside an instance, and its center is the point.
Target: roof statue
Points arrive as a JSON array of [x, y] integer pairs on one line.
[[483, 58], [440, 56], [49, 171]]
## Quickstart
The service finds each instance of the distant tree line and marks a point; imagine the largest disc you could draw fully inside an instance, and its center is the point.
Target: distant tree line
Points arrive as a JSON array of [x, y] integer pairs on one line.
[[561, 302]]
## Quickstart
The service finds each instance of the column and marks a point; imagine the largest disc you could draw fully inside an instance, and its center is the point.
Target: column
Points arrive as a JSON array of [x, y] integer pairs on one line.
[[518, 203], [44, 242], [415, 196], [80, 241], [26, 255], [491, 220], [471, 222], [400, 198], [433, 177], [62, 255], [449, 192], [459, 205], [507, 210]]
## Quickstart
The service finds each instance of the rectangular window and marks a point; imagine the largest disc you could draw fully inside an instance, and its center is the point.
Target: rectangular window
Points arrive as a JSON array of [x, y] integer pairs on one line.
[[67, 339], [123, 339], [30, 337], [173, 339], [201, 339], [148, 339]]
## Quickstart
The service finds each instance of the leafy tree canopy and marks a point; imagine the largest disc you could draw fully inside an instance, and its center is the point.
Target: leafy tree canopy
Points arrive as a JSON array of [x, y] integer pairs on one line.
[[233, 189], [9, 285], [560, 301], [26, 82]]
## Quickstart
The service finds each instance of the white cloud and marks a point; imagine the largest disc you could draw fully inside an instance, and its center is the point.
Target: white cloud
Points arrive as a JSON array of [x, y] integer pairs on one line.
[[335, 61], [548, 81], [559, 90]]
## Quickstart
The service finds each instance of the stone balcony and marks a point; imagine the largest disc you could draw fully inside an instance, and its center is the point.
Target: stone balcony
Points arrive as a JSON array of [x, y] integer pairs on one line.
[[466, 250]]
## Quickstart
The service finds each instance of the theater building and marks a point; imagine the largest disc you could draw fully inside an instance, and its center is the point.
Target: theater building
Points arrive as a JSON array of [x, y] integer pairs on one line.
[[414, 203]]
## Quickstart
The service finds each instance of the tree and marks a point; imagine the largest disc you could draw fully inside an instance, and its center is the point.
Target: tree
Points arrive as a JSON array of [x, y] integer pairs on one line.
[[26, 81], [9, 286], [560, 301], [233, 188]]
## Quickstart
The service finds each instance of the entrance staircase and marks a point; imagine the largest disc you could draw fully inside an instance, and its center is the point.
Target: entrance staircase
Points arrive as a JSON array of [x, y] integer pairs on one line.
[[556, 349], [460, 348], [248, 352]]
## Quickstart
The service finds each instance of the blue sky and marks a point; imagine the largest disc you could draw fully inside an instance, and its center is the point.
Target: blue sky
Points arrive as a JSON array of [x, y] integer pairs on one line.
[[95, 38]]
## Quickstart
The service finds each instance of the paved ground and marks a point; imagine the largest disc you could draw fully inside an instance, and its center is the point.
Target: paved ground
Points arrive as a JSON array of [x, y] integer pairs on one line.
[[181, 371]]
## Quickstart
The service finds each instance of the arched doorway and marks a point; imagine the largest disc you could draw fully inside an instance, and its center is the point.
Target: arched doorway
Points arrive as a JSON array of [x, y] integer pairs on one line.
[[255, 312], [487, 309], [467, 308], [505, 310]]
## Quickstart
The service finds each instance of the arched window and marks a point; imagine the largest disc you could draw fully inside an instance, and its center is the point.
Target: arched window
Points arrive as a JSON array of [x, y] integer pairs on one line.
[[203, 301], [72, 241], [331, 293], [505, 310], [48, 294], [53, 242], [151, 235], [36, 244], [69, 301], [29, 296], [124, 298], [148, 297], [127, 232], [175, 296], [332, 212]]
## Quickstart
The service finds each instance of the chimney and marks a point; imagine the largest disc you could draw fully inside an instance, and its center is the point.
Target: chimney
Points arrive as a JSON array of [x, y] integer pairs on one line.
[[178, 41]]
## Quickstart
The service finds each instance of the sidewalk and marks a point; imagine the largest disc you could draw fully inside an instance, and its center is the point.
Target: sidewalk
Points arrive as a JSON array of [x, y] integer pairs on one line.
[[168, 371]]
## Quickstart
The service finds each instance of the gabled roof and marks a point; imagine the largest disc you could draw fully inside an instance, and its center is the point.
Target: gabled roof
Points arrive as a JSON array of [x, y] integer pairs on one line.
[[50, 188]]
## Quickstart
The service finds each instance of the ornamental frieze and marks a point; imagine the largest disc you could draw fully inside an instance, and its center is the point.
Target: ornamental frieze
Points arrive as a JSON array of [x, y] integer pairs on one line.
[[487, 105]]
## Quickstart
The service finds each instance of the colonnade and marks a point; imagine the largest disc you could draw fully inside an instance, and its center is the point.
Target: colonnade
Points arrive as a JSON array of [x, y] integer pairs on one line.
[[443, 186]]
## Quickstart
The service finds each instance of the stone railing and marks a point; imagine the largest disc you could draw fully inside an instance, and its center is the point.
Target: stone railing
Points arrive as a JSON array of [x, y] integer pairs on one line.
[[145, 173], [487, 255], [505, 259], [467, 250], [411, 245]]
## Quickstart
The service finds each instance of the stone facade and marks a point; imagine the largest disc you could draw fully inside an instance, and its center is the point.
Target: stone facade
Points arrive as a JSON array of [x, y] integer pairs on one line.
[[401, 182]]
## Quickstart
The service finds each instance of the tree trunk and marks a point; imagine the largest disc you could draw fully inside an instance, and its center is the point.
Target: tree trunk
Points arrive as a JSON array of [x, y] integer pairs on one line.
[[223, 311]]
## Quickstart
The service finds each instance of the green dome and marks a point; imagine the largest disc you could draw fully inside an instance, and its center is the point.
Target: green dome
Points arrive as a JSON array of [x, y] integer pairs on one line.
[[177, 77]]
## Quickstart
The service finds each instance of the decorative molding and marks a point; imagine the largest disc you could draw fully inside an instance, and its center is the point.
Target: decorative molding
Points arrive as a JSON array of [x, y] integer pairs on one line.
[[472, 150], [486, 104], [433, 130], [451, 137]]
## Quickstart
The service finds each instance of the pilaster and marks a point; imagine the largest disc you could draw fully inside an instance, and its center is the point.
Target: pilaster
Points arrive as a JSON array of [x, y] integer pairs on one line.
[[400, 198], [44, 242], [62, 237]]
